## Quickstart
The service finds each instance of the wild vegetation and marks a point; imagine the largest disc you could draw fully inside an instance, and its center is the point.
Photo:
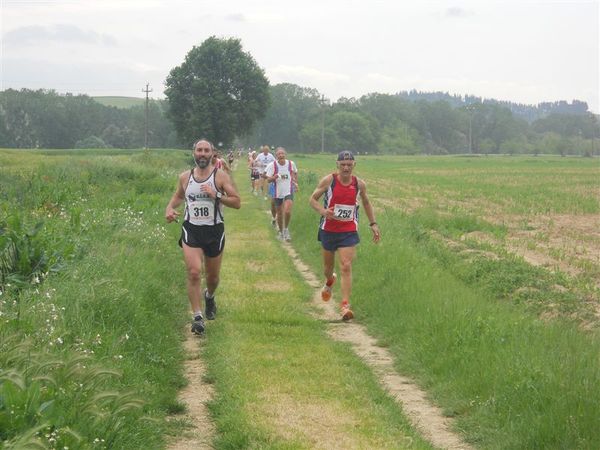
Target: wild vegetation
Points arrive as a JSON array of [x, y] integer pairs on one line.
[[93, 306]]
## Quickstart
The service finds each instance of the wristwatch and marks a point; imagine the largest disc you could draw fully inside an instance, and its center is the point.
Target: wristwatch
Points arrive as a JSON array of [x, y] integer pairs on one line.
[[218, 195]]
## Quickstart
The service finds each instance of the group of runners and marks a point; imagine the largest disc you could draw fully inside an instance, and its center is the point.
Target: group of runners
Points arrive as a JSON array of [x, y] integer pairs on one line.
[[208, 186], [276, 179]]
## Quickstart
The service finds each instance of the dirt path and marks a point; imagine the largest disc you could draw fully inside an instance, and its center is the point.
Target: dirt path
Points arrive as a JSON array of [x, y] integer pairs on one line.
[[195, 396], [427, 418]]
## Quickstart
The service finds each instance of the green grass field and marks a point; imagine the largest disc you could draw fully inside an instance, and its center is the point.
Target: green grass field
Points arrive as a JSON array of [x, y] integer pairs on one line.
[[93, 305]]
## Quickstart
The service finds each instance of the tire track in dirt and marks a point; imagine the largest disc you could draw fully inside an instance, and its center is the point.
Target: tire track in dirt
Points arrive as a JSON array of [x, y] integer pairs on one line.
[[195, 396], [424, 416]]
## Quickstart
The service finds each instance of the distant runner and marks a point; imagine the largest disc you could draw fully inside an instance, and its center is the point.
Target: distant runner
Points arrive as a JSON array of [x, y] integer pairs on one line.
[[264, 158], [338, 229], [253, 165], [284, 174]]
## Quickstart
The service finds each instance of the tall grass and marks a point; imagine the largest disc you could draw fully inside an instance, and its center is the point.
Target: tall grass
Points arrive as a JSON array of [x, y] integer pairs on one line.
[[510, 379], [91, 353]]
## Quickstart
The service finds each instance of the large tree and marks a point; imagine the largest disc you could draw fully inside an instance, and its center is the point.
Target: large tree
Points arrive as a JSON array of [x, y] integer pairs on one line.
[[219, 92]]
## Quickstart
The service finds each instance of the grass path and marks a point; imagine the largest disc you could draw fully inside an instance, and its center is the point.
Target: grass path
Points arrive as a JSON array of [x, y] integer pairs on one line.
[[285, 371], [195, 396], [427, 418]]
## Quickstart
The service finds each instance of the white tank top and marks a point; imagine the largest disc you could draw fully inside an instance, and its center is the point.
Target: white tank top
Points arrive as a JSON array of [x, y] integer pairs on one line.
[[200, 209]]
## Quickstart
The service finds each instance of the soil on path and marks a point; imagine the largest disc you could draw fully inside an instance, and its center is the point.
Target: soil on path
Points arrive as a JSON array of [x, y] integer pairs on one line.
[[195, 396], [427, 418]]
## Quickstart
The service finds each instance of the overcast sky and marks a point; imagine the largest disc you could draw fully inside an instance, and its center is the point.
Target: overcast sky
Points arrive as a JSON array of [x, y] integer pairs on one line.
[[519, 50]]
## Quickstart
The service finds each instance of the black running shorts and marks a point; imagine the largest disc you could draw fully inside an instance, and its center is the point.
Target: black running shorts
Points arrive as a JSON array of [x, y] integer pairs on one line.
[[210, 238]]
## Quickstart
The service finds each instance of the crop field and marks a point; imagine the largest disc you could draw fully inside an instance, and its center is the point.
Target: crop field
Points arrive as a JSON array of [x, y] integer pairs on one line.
[[484, 290], [545, 211]]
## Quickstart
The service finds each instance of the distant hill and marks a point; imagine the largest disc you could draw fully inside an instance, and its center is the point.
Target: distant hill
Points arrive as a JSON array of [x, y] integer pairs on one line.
[[120, 102]]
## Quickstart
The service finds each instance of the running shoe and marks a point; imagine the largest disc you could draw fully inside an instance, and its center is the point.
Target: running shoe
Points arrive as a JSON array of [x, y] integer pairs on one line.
[[198, 325], [280, 235], [286, 235], [274, 223], [326, 291], [210, 306], [347, 313]]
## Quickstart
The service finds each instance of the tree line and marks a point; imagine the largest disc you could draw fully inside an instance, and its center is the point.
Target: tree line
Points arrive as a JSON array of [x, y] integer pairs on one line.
[[219, 92], [383, 123], [301, 119], [46, 119]]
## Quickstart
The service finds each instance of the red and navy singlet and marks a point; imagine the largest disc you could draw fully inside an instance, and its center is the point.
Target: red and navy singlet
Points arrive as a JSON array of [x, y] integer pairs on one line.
[[343, 199]]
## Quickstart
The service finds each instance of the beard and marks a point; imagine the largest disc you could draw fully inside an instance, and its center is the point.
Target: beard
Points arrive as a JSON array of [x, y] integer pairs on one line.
[[201, 162]]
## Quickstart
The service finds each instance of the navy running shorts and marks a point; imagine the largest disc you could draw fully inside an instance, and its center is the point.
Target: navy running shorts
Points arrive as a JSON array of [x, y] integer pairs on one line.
[[332, 241]]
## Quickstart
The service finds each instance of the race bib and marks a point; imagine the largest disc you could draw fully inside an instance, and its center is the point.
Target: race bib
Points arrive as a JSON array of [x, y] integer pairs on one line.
[[344, 213], [200, 212]]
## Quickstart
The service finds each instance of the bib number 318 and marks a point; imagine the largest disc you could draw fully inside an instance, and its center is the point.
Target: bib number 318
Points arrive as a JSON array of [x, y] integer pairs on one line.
[[201, 212]]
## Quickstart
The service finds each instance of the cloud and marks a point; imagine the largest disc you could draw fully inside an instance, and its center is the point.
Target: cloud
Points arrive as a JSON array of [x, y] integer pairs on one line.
[[93, 78], [455, 11], [37, 34], [238, 17], [285, 72]]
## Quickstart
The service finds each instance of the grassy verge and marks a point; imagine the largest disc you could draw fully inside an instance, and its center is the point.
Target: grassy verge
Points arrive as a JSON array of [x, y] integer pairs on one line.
[[510, 379], [90, 330], [280, 382]]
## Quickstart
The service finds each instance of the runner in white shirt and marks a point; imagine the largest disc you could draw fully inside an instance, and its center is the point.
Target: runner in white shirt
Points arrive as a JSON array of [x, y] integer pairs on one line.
[[284, 174], [264, 158]]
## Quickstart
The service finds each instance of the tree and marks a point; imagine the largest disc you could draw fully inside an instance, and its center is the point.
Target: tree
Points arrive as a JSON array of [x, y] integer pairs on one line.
[[354, 132], [399, 138], [310, 137], [219, 92], [91, 142], [291, 108]]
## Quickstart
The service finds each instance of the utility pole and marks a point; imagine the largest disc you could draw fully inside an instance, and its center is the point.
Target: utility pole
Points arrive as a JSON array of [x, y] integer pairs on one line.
[[470, 108], [147, 91], [322, 124]]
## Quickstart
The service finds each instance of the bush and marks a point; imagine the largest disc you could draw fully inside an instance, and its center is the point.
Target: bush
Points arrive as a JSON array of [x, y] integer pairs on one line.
[[91, 142]]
